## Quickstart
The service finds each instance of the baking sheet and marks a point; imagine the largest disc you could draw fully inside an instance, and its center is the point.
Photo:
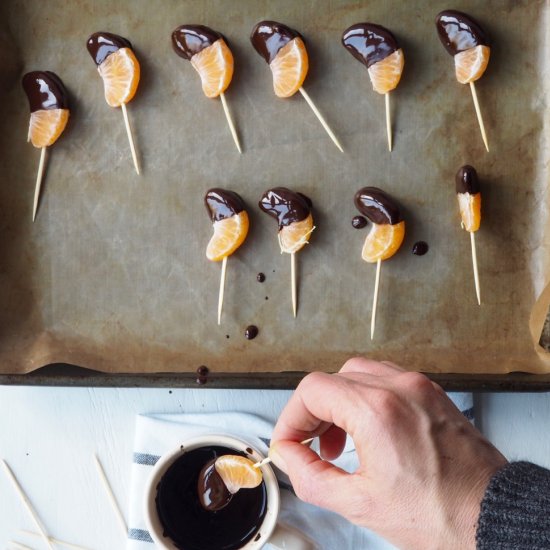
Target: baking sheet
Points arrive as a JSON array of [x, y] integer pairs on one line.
[[112, 275]]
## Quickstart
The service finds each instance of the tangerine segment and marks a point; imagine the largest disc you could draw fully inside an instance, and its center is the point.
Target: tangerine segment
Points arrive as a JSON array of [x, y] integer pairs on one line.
[[471, 64], [237, 472], [290, 68], [215, 67], [470, 211], [383, 241], [120, 73], [385, 74], [229, 234], [295, 236], [46, 125]]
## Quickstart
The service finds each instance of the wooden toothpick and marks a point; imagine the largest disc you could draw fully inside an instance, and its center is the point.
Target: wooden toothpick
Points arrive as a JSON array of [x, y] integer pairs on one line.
[[293, 282], [375, 299], [479, 117], [55, 541], [27, 503], [267, 460], [111, 496], [39, 177], [222, 290], [321, 118], [474, 264], [230, 122], [388, 121], [130, 137], [15, 544]]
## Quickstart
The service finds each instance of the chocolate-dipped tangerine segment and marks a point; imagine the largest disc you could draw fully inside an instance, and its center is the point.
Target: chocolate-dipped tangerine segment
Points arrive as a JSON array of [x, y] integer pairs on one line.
[[377, 48], [209, 55], [230, 222], [469, 198], [293, 214], [49, 106], [388, 228]]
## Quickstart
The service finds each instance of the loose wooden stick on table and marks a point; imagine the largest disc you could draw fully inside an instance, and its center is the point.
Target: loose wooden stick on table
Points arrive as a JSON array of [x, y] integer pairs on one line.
[[55, 541], [293, 282], [27, 504], [388, 121], [39, 177], [474, 264], [230, 122], [222, 290], [15, 544], [267, 460], [111, 495], [375, 299], [130, 137], [479, 117], [321, 118]]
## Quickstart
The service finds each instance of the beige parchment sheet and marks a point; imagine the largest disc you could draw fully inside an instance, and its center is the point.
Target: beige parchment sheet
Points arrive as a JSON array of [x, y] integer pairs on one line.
[[113, 274]]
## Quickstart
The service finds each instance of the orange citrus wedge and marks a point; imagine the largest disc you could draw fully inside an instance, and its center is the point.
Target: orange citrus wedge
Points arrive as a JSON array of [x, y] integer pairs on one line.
[[237, 472], [295, 236], [46, 125], [289, 68], [383, 241], [215, 67], [470, 210], [229, 234], [120, 73], [471, 64], [385, 74]]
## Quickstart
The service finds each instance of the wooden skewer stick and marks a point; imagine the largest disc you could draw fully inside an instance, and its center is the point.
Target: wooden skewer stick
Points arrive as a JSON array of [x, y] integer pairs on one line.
[[39, 177], [388, 121], [15, 544], [267, 460], [479, 117], [54, 540], [130, 137], [321, 119], [293, 282], [230, 122], [474, 264], [375, 299], [27, 504], [111, 496], [222, 290]]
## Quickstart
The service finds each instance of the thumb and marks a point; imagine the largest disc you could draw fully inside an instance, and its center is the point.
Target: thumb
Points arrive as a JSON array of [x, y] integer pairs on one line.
[[314, 480]]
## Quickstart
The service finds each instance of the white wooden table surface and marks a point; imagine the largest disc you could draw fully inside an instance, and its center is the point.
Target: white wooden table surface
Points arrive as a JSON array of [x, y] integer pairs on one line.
[[48, 436]]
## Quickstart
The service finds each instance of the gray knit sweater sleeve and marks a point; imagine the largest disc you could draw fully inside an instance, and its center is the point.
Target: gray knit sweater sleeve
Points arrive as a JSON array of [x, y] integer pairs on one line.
[[515, 510]]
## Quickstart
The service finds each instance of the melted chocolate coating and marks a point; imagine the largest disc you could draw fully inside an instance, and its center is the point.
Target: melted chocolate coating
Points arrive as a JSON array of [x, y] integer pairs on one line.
[[459, 32], [420, 248], [466, 180], [377, 206], [369, 43], [285, 205], [102, 44], [222, 204], [213, 493], [260, 277], [188, 524], [268, 37], [188, 40], [359, 222], [251, 332], [45, 91]]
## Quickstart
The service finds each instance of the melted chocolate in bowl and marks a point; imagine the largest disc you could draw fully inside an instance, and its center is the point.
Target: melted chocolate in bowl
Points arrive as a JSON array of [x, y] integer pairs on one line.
[[103, 44], [369, 43], [458, 32], [45, 91], [188, 524], [268, 37], [188, 40]]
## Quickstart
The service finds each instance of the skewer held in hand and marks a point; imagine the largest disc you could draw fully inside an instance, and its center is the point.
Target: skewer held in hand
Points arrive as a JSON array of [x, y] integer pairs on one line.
[[267, 460], [321, 119]]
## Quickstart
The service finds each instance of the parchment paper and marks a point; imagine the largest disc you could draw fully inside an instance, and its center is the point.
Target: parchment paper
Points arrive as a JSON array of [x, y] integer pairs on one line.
[[113, 274]]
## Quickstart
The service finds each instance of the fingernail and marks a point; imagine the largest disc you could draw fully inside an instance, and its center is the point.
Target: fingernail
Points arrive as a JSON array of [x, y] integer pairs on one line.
[[277, 459]]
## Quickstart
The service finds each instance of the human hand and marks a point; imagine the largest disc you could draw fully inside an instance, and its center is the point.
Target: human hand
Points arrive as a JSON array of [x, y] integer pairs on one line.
[[423, 468]]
